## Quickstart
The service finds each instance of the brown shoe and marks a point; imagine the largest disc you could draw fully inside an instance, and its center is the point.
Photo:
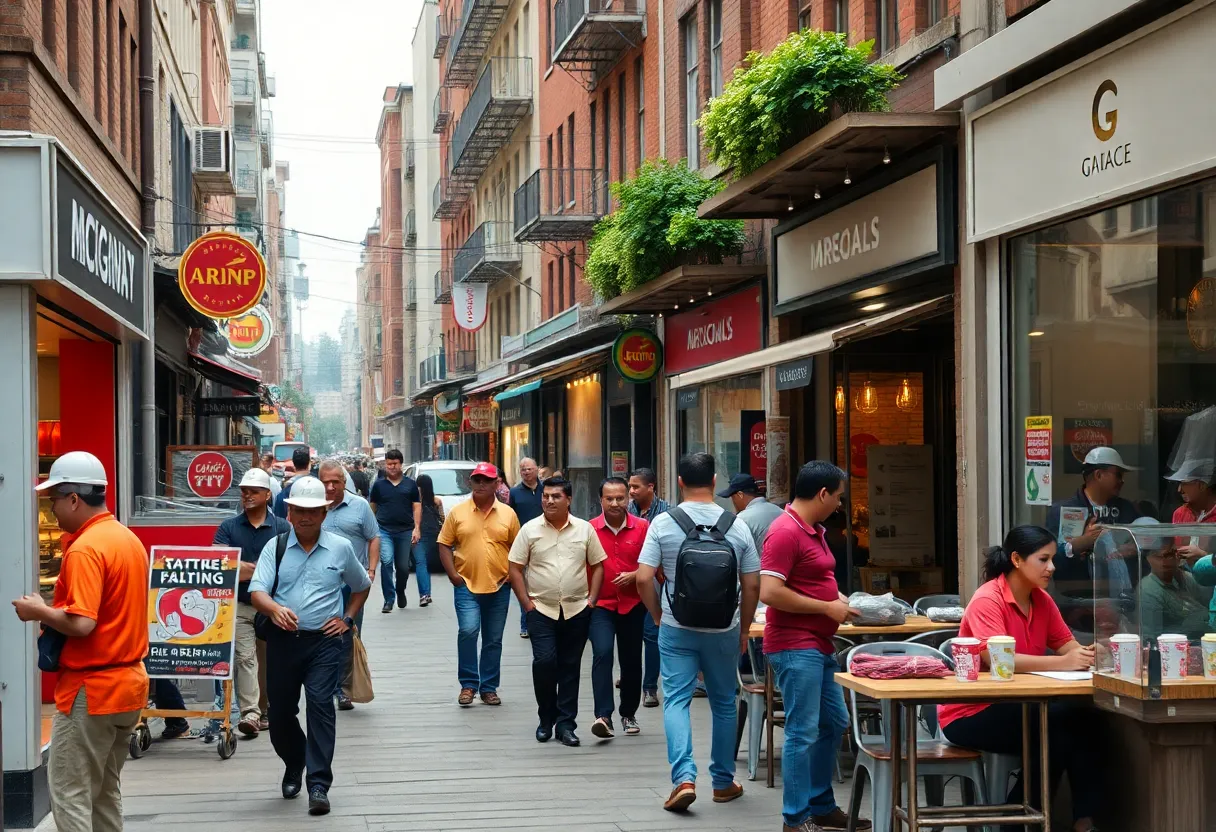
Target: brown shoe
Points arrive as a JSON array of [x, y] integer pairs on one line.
[[732, 792], [466, 697], [491, 698], [681, 797], [837, 821], [805, 826]]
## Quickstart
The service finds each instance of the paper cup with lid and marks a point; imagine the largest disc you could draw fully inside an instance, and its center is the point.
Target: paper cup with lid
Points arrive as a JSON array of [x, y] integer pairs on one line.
[[966, 654], [1173, 647], [1125, 654], [1208, 645], [1000, 658]]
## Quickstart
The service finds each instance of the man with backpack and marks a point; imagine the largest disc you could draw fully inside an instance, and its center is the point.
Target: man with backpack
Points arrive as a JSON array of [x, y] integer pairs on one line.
[[712, 583]]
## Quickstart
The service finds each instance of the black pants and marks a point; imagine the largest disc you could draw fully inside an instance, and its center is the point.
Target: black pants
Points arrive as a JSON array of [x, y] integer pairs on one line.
[[557, 658], [1070, 727], [312, 661], [626, 629]]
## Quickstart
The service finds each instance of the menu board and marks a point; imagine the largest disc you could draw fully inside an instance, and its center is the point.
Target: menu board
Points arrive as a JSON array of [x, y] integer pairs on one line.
[[901, 505]]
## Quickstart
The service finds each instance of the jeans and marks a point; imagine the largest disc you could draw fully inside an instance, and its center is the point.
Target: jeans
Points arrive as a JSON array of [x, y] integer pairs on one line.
[[650, 638], [395, 549], [484, 614], [314, 662], [815, 720], [557, 659], [167, 697], [523, 620], [626, 630], [348, 653], [683, 654]]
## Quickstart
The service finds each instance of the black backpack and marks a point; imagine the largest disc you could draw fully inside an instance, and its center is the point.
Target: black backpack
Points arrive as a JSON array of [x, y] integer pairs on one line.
[[707, 574]]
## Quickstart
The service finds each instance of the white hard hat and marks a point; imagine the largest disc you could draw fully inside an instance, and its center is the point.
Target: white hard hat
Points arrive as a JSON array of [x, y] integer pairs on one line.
[[76, 468], [1103, 456], [307, 492], [255, 478]]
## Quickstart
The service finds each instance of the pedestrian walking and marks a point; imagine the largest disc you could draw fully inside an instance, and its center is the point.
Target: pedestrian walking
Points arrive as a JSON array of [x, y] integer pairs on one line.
[[474, 542], [525, 499], [297, 585], [301, 463], [645, 503], [362, 482], [432, 521], [349, 516], [249, 531], [100, 608], [398, 509], [709, 562], [619, 614], [805, 607], [751, 509], [565, 564], [268, 467]]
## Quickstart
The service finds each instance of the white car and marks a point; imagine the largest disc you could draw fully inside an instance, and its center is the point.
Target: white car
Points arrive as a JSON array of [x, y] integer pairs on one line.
[[451, 480]]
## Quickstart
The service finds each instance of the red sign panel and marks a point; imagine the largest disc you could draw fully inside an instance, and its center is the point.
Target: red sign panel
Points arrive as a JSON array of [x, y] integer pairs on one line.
[[222, 275], [209, 475], [714, 331]]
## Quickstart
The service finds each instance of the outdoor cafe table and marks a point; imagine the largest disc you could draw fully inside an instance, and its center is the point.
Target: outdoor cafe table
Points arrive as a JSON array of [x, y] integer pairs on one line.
[[907, 694], [913, 624]]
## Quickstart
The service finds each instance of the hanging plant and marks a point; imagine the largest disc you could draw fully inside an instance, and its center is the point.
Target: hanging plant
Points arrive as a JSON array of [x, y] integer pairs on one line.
[[777, 99], [655, 228]]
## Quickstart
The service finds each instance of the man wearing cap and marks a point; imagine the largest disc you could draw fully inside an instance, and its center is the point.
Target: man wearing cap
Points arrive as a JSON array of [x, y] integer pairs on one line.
[[101, 607], [473, 545], [249, 531], [750, 506], [300, 592]]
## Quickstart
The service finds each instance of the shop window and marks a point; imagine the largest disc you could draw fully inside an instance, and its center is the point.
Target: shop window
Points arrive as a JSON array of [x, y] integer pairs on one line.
[[717, 424]]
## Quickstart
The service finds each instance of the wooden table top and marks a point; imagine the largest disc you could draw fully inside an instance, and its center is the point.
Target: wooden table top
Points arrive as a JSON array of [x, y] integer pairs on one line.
[[1022, 686], [913, 624]]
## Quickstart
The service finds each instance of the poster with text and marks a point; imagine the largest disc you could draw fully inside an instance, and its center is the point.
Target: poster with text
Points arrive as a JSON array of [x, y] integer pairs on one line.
[[754, 443], [1083, 435], [192, 611], [207, 473], [1037, 478], [777, 429], [901, 505]]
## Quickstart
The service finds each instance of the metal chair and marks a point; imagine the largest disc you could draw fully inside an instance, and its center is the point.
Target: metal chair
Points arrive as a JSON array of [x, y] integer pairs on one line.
[[940, 600], [934, 757], [750, 702]]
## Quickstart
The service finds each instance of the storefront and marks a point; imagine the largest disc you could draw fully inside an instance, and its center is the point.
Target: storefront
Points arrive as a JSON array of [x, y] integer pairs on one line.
[[74, 299], [479, 428], [515, 414]]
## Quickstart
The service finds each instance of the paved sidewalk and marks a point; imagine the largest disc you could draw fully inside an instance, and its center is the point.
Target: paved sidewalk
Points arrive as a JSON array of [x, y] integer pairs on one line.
[[414, 761]]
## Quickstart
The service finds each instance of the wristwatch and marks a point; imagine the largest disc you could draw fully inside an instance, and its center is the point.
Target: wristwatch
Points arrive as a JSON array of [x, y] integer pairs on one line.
[[350, 622], [1068, 549]]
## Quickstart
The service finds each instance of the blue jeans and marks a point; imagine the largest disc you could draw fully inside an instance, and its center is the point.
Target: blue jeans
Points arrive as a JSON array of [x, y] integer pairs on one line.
[[683, 654], [815, 720], [395, 548], [483, 614], [650, 642]]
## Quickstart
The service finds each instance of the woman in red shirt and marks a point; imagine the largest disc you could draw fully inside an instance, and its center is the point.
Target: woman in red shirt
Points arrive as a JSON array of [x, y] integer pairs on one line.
[[1014, 602]]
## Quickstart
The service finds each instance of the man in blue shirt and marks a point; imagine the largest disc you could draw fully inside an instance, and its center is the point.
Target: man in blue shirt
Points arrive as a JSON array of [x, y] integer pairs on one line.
[[525, 499], [306, 636], [398, 507], [351, 517], [645, 503]]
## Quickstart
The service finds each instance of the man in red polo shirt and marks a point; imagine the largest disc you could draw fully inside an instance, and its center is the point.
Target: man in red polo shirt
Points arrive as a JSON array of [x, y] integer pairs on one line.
[[798, 583], [619, 612]]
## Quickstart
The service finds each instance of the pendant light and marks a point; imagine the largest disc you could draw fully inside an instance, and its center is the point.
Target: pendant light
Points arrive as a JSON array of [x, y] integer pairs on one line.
[[865, 400], [906, 397], [840, 401]]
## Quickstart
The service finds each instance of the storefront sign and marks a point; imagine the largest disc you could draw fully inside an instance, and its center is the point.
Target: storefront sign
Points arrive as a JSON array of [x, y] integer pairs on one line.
[[209, 475], [688, 399], [207, 472], [1100, 128], [222, 275], [479, 417], [883, 229], [777, 432], [795, 374], [233, 406], [637, 355], [754, 442], [714, 331], [250, 334], [620, 463], [447, 413], [1038, 461], [469, 305], [1082, 436], [192, 611], [516, 410], [98, 253]]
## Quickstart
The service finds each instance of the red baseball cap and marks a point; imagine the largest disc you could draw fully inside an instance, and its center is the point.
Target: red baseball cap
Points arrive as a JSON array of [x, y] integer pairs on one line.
[[485, 469]]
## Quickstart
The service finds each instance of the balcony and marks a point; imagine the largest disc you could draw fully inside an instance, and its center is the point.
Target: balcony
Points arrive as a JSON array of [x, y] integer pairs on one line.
[[411, 228], [247, 183], [449, 198], [560, 204], [441, 111], [441, 36], [246, 7], [244, 87], [443, 287], [262, 85], [245, 134], [488, 255], [590, 36], [266, 140], [501, 99], [411, 296], [409, 161], [479, 19]]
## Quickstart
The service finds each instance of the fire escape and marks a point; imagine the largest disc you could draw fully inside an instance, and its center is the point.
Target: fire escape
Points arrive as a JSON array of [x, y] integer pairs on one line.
[[592, 35]]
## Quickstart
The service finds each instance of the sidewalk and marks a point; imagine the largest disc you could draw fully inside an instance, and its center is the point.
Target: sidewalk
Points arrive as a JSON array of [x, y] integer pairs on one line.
[[412, 761]]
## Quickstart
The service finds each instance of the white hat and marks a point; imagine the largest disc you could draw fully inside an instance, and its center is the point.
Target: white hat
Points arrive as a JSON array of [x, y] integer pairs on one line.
[[76, 468], [255, 478], [1103, 456], [1193, 470], [307, 492]]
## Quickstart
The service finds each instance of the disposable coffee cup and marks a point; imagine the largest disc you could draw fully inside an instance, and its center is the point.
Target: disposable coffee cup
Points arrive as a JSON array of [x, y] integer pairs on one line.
[[966, 654], [1125, 653], [1000, 658], [1173, 647], [1208, 645]]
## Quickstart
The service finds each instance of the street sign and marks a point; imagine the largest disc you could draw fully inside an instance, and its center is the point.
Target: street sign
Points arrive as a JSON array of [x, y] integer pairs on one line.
[[231, 406]]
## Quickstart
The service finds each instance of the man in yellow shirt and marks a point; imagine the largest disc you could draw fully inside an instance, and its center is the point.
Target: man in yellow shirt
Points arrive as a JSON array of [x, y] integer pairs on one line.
[[473, 545]]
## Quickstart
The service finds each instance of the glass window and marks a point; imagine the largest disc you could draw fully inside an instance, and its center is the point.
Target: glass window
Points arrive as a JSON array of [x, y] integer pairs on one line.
[[452, 482], [692, 104], [727, 403], [715, 47], [842, 15], [888, 26], [640, 84], [936, 11]]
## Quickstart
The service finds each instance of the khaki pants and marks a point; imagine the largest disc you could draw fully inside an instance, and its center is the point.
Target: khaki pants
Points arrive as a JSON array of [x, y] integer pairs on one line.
[[248, 683], [87, 753]]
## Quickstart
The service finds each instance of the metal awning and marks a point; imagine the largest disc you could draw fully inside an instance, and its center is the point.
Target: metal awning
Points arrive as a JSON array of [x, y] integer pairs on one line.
[[849, 147], [678, 286], [238, 378], [541, 371], [518, 391]]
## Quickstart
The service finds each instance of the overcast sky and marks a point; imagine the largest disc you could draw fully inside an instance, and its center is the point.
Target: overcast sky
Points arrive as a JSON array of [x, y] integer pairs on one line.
[[331, 62]]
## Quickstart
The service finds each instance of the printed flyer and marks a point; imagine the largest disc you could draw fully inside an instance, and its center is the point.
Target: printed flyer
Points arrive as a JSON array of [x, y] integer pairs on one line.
[[192, 611]]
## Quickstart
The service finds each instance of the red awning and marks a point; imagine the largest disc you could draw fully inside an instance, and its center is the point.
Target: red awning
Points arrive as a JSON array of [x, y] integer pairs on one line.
[[222, 373]]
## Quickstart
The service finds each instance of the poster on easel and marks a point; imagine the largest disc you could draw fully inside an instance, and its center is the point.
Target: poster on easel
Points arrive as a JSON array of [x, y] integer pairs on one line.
[[192, 611]]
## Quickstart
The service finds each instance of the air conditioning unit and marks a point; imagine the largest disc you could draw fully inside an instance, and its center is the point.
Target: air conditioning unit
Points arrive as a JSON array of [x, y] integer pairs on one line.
[[213, 161]]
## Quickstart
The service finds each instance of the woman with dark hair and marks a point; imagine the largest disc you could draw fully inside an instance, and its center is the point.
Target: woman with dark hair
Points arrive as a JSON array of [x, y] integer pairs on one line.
[[1013, 601], [432, 522]]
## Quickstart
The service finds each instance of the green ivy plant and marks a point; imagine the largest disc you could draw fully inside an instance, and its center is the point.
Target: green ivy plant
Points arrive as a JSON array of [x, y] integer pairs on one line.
[[776, 99], [655, 228]]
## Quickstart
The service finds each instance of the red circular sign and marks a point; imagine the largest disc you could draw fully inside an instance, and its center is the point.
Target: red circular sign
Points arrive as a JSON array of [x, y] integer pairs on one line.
[[209, 475], [222, 275], [637, 355]]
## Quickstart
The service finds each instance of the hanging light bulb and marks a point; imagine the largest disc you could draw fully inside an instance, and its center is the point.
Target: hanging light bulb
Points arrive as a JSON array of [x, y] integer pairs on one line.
[[906, 397], [790, 205], [865, 400], [886, 155], [839, 401], [709, 292], [847, 179], [817, 194]]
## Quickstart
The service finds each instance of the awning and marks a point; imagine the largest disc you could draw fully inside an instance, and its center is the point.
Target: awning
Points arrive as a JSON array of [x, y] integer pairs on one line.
[[518, 391], [814, 344], [678, 285], [241, 379], [540, 371]]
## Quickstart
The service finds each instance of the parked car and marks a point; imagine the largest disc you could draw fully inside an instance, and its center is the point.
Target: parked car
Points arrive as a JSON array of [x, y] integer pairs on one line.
[[451, 480]]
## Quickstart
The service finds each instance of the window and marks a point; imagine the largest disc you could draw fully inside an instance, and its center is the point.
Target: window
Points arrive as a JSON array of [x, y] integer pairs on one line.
[[715, 47], [124, 120], [561, 166], [181, 181], [1144, 213], [48, 26], [804, 18], [551, 287], [561, 284], [888, 26], [936, 11], [570, 273], [74, 43], [608, 133], [691, 97], [97, 53], [570, 154], [842, 15], [640, 85], [620, 125], [595, 160], [1110, 222]]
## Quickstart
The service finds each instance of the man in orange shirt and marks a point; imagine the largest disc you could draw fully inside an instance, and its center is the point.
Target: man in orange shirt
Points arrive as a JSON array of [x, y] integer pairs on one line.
[[101, 606]]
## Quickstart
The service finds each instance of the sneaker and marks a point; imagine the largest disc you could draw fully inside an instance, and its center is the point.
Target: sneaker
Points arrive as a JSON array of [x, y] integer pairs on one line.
[[263, 723], [523, 633], [650, 699], [630, 725], [681, 797], [248, 726], [344, 703], [424, 601], [388, 607], [805, 826], [837, 821], [732, 792], [602, 728]]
